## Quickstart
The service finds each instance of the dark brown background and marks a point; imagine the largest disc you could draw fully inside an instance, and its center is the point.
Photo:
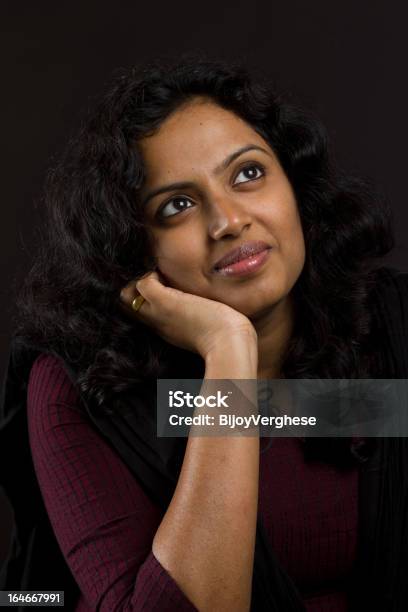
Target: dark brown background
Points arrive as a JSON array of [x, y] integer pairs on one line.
[[345, 60]]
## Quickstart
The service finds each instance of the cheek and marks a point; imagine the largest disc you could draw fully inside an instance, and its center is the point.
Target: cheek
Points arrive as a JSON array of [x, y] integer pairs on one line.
[[179, 260], [286, 227], [167, 250], [284, 221], [293, 249], [295, 242]]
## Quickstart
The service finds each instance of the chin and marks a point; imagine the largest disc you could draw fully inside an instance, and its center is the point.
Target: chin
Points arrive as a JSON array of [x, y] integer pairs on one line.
[[253, 311], [254, 315], [261, 304]]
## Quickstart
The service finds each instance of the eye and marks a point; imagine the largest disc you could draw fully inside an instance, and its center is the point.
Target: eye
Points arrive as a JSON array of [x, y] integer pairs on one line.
[[178, 204], [251, 173]]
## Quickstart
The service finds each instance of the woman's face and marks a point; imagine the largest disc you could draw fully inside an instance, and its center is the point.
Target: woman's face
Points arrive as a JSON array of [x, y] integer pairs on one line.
[[223, 199]]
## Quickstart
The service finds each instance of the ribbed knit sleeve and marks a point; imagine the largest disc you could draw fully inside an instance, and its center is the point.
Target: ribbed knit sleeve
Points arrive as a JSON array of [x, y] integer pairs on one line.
[[101, 517]]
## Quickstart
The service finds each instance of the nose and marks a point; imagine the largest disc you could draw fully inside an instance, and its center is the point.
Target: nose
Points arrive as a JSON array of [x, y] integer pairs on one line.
[[227, 217]]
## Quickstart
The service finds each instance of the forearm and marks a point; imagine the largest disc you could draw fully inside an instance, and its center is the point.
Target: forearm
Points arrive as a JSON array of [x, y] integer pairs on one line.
[[206, 539]]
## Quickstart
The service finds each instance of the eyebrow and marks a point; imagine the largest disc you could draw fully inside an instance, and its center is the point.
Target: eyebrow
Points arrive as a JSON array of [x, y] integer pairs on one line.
[[217, 170]]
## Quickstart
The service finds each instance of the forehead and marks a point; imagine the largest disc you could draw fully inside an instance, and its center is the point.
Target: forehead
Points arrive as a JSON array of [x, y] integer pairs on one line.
[[200, 134]]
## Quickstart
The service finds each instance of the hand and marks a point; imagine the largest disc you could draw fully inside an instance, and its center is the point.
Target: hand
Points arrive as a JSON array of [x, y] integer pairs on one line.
[[185, 320]]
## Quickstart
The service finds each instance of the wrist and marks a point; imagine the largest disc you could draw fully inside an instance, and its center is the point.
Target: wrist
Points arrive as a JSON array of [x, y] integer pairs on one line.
[[229, 337], [233, 357]]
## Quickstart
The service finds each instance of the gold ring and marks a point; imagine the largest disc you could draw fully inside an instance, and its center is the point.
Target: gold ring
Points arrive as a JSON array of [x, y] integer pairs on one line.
[[137, 302]]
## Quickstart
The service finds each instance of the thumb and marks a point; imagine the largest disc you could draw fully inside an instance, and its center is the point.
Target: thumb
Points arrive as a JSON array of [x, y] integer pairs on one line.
[[134, 288]]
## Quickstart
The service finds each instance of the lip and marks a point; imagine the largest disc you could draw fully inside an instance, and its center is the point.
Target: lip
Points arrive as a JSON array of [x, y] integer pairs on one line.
[[244, 251], [246, 266]]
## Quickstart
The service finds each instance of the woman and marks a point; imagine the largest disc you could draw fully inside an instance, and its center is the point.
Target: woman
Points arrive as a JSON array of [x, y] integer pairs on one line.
[[178, 172]]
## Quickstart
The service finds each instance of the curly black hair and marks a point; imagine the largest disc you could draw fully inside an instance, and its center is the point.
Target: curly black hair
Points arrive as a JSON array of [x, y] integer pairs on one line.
[[95, 240]]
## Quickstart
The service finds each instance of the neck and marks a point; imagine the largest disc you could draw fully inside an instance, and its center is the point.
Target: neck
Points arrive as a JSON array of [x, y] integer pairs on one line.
[[274, 329]]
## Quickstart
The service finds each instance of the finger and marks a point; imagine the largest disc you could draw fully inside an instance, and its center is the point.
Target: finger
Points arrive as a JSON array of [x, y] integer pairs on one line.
[[126, 305], [147, 278], [152, 287], [137, 303], [132, 308], [129, 301], [130, 291]]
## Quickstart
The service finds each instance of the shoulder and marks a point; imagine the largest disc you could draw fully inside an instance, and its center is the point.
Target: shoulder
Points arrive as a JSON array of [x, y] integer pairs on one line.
[[50, 386], [47, 362], [49, 375]]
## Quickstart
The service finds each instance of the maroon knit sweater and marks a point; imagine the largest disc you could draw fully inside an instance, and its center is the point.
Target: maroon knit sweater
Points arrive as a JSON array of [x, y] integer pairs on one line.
[[105, 523]]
